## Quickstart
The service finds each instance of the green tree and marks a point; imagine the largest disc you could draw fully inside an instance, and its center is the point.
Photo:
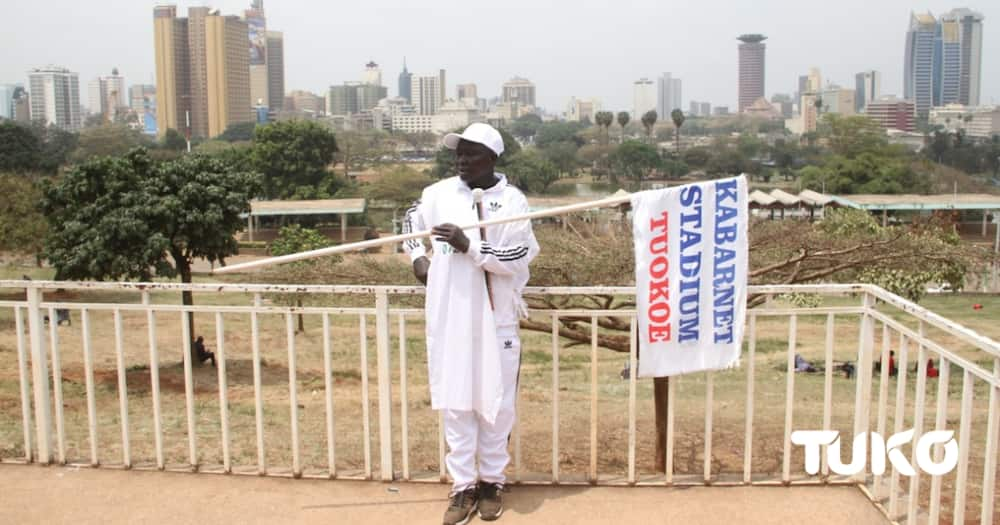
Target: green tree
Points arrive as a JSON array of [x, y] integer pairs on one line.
[[562, 155], [20, 149], [853, 135], [22, 226], [526, 126], [678, 117], [173, 140], [109, 139], [648, 121], [532, 171], [293, 157], [238, 132], [623, 118], [635, 160], [868, 173], [604, 119], [294, 239], [551, 133], [57, 146], [401, 186], [123, 217], [675, 168], [696, 157]]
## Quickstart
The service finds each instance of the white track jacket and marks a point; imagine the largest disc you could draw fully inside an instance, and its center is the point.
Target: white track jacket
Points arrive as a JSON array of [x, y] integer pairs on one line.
[[462, 354]]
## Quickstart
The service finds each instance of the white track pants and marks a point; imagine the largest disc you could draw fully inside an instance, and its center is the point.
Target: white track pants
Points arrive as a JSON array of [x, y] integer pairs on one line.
[[470, 436]]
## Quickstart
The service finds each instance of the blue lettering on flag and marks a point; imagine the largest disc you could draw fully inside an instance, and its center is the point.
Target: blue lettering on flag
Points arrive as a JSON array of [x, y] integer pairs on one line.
[[690, 264], [724, 260]]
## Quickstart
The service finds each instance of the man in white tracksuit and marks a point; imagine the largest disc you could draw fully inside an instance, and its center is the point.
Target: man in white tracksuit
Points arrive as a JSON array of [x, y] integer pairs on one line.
[[472, 306]]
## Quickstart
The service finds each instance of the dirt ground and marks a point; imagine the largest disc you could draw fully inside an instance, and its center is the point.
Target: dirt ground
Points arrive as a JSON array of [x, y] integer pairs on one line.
[[33, 494]]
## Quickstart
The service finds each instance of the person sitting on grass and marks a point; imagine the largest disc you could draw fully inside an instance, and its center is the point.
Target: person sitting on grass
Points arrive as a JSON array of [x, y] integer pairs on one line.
[[200, 353]]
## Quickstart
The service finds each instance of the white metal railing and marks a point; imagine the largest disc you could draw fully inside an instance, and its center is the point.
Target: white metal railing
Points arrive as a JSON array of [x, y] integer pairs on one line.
[[48, 442]]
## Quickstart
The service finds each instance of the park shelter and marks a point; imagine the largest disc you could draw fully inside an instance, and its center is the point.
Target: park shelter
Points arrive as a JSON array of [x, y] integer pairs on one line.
[[949, 201], [332, 207]]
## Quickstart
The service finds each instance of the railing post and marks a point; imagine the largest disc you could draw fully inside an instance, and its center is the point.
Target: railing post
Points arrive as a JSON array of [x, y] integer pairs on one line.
[[384, 383], [40, 375], [862, 399], [992, 434]]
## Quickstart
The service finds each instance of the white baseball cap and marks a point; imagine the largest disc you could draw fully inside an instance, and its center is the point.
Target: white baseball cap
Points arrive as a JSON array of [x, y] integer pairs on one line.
[[480, 134]]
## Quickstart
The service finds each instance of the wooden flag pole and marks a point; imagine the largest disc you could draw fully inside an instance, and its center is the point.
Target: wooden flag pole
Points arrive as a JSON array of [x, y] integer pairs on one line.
[[372, 243]]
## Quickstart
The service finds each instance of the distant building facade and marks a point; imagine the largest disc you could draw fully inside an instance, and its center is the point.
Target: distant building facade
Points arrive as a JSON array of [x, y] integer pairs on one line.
[[202, 71], [55, 97], [520, 90], [107, 95], [751, 69], [893, 113], [668, 95], [867, 87], [643, 97]]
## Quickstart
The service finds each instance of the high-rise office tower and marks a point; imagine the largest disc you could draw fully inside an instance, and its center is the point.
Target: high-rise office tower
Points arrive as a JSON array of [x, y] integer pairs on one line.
[[55, 97], [668, 95], [918, 68], [228, 68], [203, 80], [867, 87], [275, 70], [947, 62], [427, 93], [21, 104], [968, 26], [404, 85], [7, 100], [257, 31], [173, 69], [520, 90], [751, 81], [643, 97], [943, 60], [372, 74], [106, 95]]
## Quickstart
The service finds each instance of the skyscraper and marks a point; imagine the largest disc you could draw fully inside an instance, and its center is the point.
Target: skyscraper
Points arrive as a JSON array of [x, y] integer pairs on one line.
[[275, 70], [867, 87], [970, 35], [55, 97], [173, 69], [106, 95], [668, 95], [918, 68], [520, 90], [372, 74], [257, 32], [751, 81], [404, 83], [643, 97], [427, 93], [7, 100], [202, 71], [943, 60]]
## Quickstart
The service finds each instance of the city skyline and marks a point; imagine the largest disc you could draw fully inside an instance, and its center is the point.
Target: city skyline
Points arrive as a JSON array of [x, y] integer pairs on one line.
[[562, 63]]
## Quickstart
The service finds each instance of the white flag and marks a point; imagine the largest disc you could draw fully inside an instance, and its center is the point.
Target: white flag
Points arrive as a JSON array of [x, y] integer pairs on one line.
[[691, 276]]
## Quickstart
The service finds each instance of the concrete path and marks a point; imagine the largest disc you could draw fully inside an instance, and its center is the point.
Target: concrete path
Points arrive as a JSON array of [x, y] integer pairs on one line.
[[36, 494]]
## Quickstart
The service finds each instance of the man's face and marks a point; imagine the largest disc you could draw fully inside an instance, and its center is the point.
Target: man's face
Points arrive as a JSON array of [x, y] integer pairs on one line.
[[473, 161]]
